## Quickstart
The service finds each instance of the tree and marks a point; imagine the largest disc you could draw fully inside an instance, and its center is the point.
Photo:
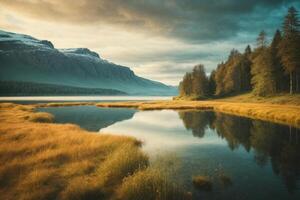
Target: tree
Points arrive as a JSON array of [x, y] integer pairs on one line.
[[261, 40], [290, 48], [248, 51], [185, 86], [280, 78], [219, 77], [212, 83], [263, 78], [195, 84], [200, 82]]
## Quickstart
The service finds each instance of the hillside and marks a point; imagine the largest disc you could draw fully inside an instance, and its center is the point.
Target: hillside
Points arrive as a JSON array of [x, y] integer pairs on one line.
[[24, 58]]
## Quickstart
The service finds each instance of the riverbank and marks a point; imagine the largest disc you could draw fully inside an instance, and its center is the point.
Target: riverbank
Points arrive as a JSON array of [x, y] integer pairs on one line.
[[282, 109], [43, 160]]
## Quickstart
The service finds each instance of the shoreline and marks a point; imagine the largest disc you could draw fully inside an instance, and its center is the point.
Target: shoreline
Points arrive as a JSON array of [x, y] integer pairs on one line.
[[43, 160], [283, 114], [287, 114]]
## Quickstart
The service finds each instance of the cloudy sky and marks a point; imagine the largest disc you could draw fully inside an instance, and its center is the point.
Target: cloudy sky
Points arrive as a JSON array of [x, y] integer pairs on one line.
[[157, 39]]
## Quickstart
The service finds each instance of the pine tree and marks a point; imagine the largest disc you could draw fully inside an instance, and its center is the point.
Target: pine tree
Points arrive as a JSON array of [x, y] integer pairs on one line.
[[290, 48], [263, 78], [212, 83], [261, 40], [248, 51], [185, 86], [199, 82], [280, 78]]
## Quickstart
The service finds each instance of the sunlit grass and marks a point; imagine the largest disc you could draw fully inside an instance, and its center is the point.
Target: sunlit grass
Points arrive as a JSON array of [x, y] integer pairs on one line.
[[276, 109], [62, 161]]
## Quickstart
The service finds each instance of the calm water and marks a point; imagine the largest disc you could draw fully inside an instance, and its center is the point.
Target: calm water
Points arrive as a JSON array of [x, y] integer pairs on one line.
[[45, 99], [262, 159]]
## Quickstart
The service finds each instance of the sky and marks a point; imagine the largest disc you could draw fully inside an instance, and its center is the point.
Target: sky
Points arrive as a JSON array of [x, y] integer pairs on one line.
[[157, 39]]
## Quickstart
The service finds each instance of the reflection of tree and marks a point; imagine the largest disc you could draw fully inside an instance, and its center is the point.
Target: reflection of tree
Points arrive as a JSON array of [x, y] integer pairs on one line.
[[270, 142], [197, 121], [235, 130]]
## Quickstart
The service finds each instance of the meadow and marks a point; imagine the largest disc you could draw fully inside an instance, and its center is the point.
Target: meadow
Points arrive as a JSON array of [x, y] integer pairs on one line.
[[43, 160]]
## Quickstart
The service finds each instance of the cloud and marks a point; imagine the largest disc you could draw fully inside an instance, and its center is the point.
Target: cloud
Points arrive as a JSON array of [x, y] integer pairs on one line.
[[191, 20], [158, 39]]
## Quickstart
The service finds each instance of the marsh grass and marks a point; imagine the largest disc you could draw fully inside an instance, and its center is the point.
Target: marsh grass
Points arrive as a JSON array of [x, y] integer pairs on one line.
[[154, 182], [62, 161]]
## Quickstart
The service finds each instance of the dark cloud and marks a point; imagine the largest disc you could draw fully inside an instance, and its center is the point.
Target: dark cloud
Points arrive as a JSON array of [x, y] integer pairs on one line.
[[189, 20]]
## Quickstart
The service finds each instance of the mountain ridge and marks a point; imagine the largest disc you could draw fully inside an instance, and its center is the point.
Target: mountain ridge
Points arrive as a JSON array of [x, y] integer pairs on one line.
[[24, 58]]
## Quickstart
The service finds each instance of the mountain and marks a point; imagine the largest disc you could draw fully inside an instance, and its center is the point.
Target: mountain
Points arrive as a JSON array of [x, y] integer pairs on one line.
[[26, 59]]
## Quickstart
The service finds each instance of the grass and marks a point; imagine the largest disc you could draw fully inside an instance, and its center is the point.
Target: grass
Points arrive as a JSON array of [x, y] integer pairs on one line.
[[151, 182], [202, 183], [283, 109], [63, 161]]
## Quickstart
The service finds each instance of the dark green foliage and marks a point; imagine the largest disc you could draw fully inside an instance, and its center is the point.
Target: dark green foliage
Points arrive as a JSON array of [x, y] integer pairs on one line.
[[17, 88]]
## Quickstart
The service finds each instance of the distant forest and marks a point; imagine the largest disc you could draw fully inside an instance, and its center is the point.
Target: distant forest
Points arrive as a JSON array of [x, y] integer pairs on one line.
[[266, 70], [18, 88]]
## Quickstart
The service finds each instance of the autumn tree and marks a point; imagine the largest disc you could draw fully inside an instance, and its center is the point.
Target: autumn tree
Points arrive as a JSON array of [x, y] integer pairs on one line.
[[200, 82], [185, 86], [290, 48]]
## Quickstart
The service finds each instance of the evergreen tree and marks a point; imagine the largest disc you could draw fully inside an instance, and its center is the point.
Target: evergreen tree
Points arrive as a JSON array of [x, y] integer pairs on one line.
[[263, 78], [290, 48], [219, 77], [248, 51], [200, 82], [261, 40], [185, 86], [212, 83], [280, 78]]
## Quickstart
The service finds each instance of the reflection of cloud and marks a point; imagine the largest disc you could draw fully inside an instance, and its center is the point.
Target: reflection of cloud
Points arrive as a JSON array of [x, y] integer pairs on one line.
[[161, 130], [172, 34]]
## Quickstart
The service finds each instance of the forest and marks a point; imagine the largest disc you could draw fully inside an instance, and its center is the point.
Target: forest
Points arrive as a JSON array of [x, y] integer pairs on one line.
[[268, 69]]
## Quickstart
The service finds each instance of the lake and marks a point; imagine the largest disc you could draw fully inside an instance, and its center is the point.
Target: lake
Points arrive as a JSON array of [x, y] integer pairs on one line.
[[261, 158], [45, 99]]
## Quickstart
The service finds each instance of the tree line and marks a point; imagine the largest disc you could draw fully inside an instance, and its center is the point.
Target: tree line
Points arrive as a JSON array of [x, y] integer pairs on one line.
[[266, 70]]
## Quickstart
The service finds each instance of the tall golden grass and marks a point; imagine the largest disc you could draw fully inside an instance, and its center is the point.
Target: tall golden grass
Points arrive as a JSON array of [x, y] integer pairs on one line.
[[42, 160]]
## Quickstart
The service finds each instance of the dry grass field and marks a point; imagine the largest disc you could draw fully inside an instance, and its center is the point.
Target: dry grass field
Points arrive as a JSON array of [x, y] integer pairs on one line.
[[43, 160]]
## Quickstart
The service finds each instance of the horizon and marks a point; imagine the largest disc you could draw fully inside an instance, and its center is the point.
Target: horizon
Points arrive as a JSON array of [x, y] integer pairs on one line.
[[157, 40]]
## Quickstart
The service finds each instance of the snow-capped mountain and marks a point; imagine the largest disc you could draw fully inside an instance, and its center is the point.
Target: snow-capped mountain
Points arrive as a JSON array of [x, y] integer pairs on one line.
[[24, 58]]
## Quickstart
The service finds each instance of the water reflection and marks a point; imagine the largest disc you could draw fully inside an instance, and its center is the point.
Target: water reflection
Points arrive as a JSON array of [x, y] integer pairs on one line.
[[270, 142], [260, 159], [89, 117]]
